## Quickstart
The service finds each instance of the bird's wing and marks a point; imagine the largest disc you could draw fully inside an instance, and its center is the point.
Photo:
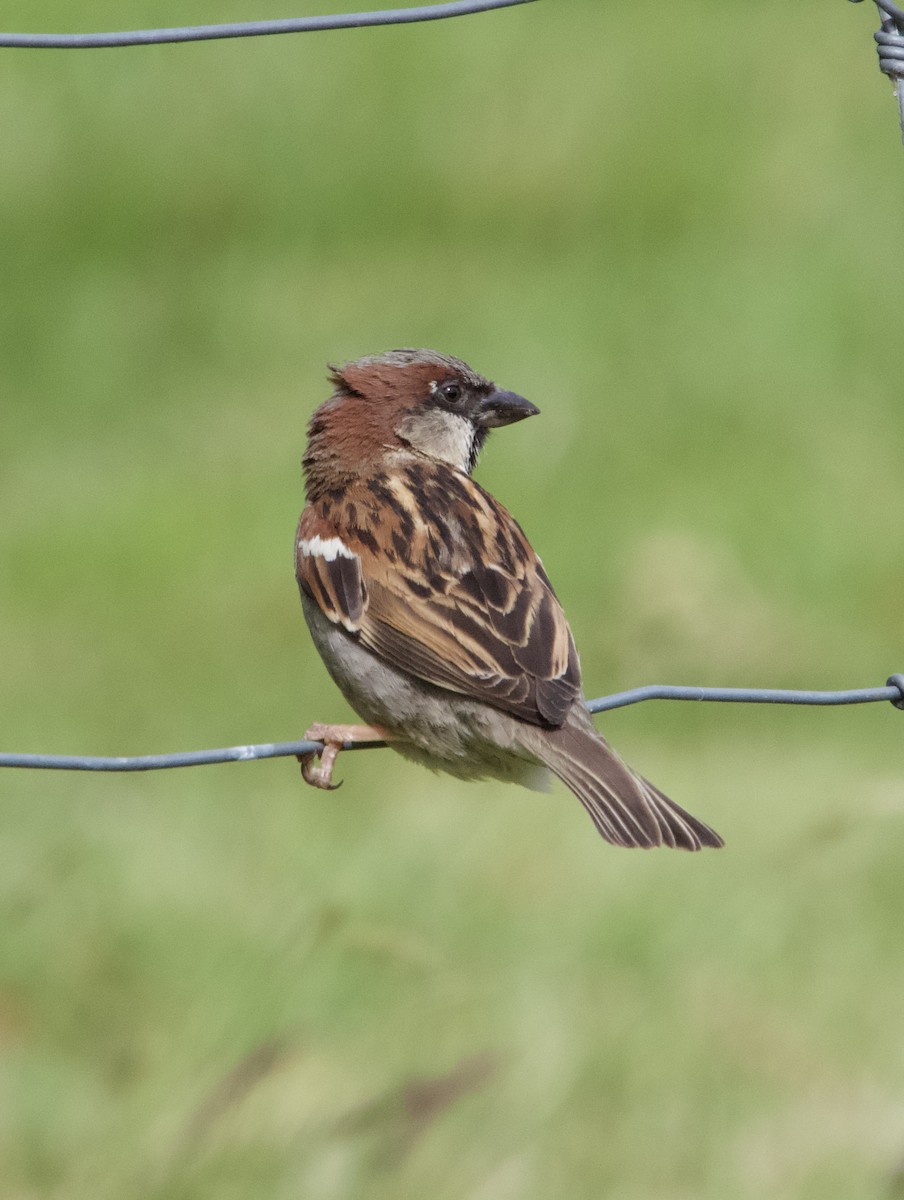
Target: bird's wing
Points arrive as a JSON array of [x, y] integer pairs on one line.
[[329, 571], [438, 579]]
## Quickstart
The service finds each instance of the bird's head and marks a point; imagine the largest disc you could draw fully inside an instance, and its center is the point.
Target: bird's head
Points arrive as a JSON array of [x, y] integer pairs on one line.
[[407, 401]]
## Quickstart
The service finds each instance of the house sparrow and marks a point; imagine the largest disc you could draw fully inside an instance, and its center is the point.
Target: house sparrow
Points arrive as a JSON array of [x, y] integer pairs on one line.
[[431, 610]]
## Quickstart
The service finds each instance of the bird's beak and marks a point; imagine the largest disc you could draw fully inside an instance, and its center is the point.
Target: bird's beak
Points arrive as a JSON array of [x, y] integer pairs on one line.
[[504, 408]]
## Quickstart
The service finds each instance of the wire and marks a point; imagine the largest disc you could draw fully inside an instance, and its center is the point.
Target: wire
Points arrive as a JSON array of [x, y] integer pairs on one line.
[[890, 40], [206, 33], [891, 10], [890, 44], [892, 692]]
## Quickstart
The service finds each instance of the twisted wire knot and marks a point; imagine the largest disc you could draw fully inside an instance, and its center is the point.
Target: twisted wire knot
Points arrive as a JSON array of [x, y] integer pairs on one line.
[[890, 40], [898, 682]]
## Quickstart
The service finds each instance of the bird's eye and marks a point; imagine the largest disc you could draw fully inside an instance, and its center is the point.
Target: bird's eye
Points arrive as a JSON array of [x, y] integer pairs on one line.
[[451, 392]]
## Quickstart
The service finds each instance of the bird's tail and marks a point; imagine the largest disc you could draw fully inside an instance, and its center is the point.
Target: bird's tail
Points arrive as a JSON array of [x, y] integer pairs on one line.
[[626, 809]]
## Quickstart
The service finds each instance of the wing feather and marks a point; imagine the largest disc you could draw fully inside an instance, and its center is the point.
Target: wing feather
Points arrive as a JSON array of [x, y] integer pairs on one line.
[[329, 572], [454, 595]]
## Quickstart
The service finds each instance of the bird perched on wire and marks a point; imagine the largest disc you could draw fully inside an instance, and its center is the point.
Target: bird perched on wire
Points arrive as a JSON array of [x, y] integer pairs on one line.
[[432, 612]]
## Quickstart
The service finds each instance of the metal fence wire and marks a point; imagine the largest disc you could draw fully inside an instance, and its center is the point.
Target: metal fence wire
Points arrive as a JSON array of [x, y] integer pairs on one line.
[[890, 40], [239, 29], [890, 44], [893, 692]]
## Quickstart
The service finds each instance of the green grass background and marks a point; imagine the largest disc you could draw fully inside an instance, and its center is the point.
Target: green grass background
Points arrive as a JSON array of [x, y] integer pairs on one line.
[[678, 231]]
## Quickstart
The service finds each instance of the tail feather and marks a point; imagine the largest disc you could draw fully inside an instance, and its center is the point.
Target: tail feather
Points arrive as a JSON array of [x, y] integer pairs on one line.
[[680, 829], [626, 809], [612, 800]]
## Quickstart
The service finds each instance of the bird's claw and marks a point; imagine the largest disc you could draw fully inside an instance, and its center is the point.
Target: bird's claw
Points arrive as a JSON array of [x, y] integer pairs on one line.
[[333, 737], [320, 775]]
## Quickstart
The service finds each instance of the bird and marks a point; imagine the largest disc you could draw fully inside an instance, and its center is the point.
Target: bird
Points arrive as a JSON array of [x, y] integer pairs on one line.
[[431, 610]]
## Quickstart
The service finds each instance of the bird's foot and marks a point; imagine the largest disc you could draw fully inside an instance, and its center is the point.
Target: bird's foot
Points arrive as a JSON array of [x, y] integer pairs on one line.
[[334, 737]]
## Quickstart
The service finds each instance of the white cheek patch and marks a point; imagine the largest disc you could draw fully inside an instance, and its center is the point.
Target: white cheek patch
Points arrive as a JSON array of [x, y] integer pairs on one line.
[[460, 435], [328, 549], [442, 435]]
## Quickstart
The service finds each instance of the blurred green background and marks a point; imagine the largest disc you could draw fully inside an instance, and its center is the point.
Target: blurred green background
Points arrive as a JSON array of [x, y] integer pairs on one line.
[[678, 232]]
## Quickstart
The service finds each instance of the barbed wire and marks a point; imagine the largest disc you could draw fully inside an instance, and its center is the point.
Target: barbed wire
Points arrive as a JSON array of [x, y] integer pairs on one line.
[[890, 41], [893, 692], [207, 33]]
